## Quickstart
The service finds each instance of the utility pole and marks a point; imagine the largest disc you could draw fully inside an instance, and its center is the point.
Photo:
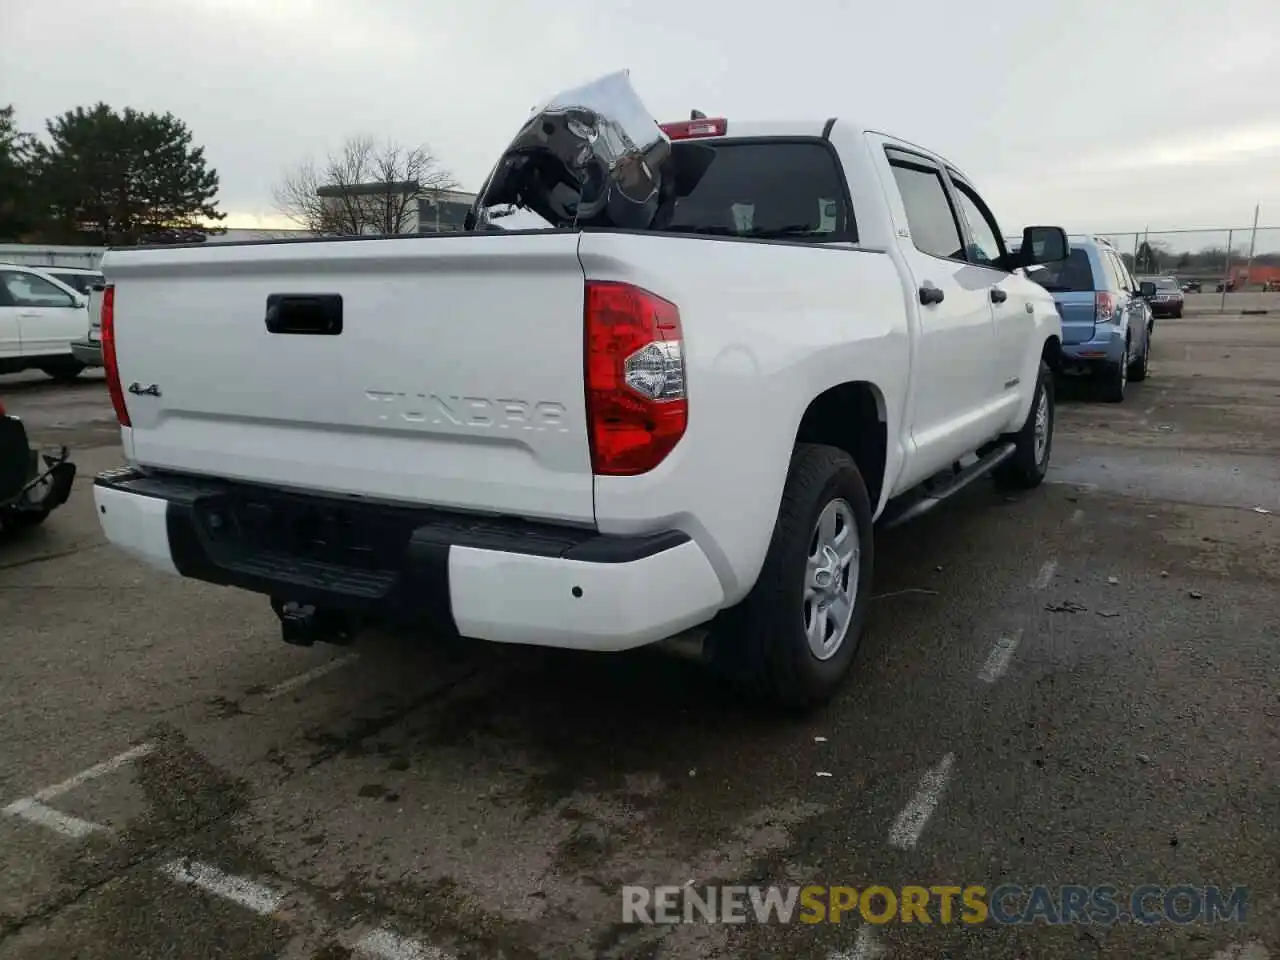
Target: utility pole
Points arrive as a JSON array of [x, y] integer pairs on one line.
[[1253, 240]]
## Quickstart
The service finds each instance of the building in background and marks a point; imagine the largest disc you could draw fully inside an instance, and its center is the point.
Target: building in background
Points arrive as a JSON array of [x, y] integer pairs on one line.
[[382, 208], [444, 211]]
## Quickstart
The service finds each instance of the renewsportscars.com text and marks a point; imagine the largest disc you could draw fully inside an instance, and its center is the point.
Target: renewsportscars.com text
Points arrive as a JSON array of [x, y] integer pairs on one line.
[[938, 904]]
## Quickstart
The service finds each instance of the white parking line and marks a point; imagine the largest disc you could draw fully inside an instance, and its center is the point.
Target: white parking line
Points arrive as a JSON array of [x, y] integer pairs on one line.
[[97, 770], [1047, 570], [65, 824], [257, 897], [911, 821], [1078, 517], [385, 945], [315, 673], [998, 659], [865, 947]]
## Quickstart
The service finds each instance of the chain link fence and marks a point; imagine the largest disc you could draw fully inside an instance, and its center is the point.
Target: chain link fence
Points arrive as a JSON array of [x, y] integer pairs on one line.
[[1225, 270]]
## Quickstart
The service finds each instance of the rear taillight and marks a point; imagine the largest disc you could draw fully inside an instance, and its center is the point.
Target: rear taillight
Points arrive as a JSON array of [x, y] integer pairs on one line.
[[1106, 307], [688, 129], [108, 338], [637, 407]]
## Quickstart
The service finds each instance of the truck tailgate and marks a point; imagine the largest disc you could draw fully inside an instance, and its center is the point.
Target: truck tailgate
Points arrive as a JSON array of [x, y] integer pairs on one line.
[[456, 379]]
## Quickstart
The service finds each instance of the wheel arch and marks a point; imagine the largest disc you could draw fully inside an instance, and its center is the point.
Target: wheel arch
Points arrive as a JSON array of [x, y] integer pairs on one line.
[[853, 417]]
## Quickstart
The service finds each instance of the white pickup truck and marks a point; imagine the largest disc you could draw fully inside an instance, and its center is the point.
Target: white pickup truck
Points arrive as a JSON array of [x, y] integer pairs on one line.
[[591, 438]]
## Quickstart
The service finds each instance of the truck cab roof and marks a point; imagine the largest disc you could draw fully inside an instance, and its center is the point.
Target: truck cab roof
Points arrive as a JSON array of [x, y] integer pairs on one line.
[[748, 129]]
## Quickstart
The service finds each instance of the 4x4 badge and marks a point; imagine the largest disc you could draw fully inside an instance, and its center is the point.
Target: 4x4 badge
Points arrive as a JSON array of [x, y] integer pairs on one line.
[[138, 390]]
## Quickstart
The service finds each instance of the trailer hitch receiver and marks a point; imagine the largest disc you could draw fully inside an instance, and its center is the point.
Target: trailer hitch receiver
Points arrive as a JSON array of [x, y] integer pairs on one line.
[[304, 624]]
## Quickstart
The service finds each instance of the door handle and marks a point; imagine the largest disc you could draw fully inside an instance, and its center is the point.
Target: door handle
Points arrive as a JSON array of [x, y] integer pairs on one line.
[[930, 295], [312, 314], [998, 295]]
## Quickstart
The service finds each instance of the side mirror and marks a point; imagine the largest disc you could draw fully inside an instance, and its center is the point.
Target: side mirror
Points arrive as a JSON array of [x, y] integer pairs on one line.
[[1043, 245], [1146, 289]]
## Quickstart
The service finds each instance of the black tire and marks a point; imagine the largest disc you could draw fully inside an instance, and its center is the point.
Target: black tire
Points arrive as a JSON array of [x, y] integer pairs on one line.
[[1177, 314], [761, 645], [63, 371], [1138, 369], [1026, 469], [1116, 378]]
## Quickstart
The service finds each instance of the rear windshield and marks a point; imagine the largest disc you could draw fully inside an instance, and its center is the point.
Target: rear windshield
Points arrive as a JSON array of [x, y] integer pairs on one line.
[[1067, 276], [1166, 283], [776, 189]]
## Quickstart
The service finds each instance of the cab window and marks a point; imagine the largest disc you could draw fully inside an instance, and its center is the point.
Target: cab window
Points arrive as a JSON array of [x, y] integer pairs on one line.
[[934, 229], [985, 246]]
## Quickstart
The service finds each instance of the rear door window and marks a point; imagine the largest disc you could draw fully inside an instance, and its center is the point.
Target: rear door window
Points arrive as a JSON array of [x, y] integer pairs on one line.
[[1121, 274], [1073, 275], [933, 224], [1110, 269], [768, 189]]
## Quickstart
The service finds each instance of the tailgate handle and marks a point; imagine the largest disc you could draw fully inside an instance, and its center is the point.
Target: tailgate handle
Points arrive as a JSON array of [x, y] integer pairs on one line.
[[314, 314]]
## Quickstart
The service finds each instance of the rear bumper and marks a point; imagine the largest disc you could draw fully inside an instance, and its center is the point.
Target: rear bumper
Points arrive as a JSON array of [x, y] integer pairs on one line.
[[1166, 308], [1105, 346], [88, 352], [507, 581]]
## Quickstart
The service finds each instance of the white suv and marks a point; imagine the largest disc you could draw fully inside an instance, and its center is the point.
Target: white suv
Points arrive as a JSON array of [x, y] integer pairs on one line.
[[39, 317]]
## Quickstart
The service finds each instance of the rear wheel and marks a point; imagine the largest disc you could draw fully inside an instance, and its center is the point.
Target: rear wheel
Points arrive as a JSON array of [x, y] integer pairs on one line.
[[792, 641], [1116, 378], [1138, 369], [63, 371]]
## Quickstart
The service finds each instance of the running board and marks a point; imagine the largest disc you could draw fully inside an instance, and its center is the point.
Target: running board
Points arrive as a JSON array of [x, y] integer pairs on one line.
[[933, 494]]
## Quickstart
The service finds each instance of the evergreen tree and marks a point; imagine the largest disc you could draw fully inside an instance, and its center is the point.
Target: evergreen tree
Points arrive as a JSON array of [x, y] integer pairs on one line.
[[19, 207], [123, 178]]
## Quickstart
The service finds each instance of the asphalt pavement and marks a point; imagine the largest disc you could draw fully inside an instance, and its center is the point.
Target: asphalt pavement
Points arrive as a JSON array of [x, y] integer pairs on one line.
[[1073, 686]]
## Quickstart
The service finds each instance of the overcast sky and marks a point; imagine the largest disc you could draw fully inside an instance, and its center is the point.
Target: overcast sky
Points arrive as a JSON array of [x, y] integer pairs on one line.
[[1095, 114]]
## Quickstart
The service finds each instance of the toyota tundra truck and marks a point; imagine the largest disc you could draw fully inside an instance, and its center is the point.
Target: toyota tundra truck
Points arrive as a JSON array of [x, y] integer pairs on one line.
[[584, 436]]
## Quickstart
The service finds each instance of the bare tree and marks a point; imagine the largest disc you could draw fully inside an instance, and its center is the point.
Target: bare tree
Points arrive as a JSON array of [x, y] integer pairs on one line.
[[365, 187]]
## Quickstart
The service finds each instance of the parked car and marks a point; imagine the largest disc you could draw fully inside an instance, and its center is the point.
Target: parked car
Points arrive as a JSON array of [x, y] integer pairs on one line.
[[599, 438], [1106, 320], [39, 317], [32, 483], [88, 349], [1168, 300], [1192, 286], [78, 279]]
